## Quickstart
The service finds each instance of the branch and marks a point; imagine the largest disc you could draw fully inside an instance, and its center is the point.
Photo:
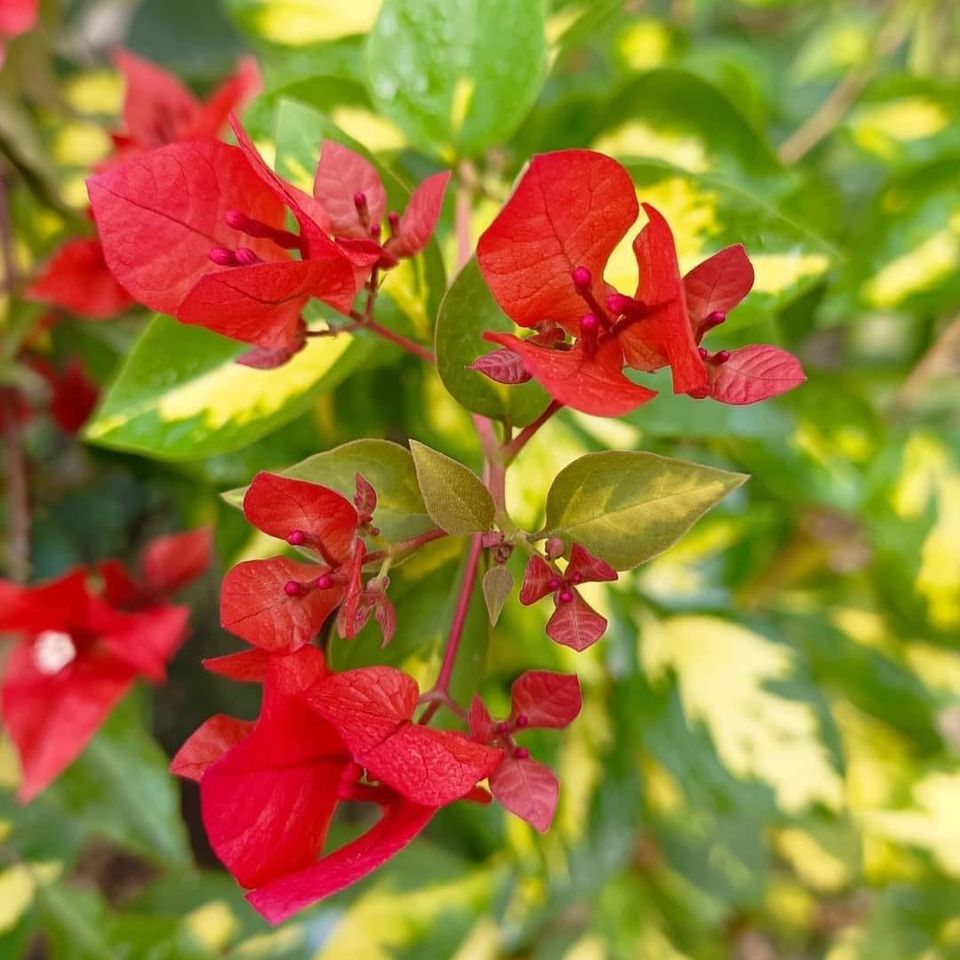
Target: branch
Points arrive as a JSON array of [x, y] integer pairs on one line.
[[511, 449]]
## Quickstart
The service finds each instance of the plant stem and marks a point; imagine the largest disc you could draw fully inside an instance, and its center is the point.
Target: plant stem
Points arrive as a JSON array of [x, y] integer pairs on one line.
[[511, 449], [405, 546], [462, 206], [424, 353], [18, 499], [456, 627]]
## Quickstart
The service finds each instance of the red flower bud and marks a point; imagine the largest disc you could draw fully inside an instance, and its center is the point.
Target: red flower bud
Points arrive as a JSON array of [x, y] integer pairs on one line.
[[222, 257], [293, 589], [582, 278]]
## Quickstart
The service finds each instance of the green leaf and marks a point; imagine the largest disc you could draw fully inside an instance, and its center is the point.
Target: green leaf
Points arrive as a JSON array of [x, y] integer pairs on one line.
[[467, 311], [457, 77], [455, 496], [628, 507], [181, 396], [497, 587], [387, 466], [120, 786]]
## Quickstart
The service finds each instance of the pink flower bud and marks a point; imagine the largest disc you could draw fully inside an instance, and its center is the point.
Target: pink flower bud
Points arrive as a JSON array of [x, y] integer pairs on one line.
[[566, 596], [296, 538], [246, 257], [721, 356], [589, 325], [293, 589], [704, 353], [323, 582], [521, 753], [553, 548], [236, 220], [576, 578], [582, 278], [554, 583], [521, 721], [617, 303], [393, 218], [713, 320], [222, 257], [360, 200]]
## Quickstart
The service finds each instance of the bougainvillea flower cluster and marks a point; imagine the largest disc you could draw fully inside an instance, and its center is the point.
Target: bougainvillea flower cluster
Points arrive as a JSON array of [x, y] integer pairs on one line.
[[78, 651], [270, 789], [157, 110], [198, 230], [543, 258]]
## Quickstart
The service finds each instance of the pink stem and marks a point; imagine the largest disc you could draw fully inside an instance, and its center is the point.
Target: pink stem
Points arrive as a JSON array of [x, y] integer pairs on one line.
[[407, 546], [456, 627]]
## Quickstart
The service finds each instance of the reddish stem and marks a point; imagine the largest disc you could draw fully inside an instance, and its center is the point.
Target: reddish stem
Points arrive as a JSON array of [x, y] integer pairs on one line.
[[456, 627], [511, 449], [424, 353], [406, 546]]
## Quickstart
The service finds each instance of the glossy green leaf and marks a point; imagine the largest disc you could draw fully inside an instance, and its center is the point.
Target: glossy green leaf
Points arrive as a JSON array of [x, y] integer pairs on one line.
[[180, 395], [456, 498], [387, 466], [457, 77], [467, 311], [628, 507]]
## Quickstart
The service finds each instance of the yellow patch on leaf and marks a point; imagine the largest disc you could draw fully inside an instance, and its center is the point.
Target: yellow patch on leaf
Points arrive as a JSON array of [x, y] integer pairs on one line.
[[776, 272], [299, 23]]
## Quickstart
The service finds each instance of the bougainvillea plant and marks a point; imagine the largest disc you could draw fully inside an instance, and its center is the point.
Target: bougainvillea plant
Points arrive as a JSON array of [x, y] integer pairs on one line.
[[202, 230]]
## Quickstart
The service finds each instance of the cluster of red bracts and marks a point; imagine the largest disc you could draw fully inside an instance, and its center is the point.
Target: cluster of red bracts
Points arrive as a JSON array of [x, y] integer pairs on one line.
[[269, 788], [78, 651], [198, 230], [543, 258]]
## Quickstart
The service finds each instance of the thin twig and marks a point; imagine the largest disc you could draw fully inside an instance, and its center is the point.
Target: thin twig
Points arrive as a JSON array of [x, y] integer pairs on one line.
[[511, 449], [843, 96]]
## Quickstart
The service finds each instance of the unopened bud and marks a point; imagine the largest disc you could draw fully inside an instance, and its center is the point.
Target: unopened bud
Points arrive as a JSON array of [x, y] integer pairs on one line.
[[222, 257], [576, 577], [566, 596], [521, 753], [360, 200], [323, 582], [553, 548], [704, 353], [521, 721], [393, 218], [296, 538], [721, 356], [617, 303], [589, 325], [246, 257], [582, 278], [236, 219], [502, 728], [375, 231], [293, 589], [713, 320], [554, 583]]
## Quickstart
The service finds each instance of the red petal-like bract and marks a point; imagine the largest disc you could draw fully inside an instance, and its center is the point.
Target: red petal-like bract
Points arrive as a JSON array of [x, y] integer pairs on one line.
[[546, 699], [77, 279], [159, 215], [593, 385], [420, 218], [207, 744], [576, 624], [570, 209], [73, 395], [341, 175], [754, 373], [230, 96], [716, 286], [76, 658], [401, 823], [246, 666], [280, 506], [254, 605], [528, 789], [539, 579], [371, 709], [171, 562], [588, 567], [503, 366], [261, 303], [479, 720], [268, 801], [156, 105], [667, 327]]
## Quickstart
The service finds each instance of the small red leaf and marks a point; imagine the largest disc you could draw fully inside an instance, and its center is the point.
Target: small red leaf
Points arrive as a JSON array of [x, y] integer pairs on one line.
[[207, 744], [341, 175], [170, 562], [754, 373], [156, 105], [593, 385], [419, 220], [527, 789], [255, 606], [546, 699], [365, 498], [539, 579], [587, 567], [283, 506], [576, 624], [502, 366], [479, 720], [716, 286], [569, 209], [233, 94]]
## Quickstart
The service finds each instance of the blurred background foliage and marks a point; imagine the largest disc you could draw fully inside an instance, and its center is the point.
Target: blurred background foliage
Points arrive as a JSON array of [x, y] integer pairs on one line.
[[767, 763]]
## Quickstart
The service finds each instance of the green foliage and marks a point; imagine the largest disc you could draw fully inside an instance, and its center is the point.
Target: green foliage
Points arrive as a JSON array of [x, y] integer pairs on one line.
[[456, 498]]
